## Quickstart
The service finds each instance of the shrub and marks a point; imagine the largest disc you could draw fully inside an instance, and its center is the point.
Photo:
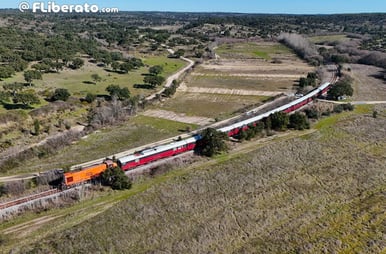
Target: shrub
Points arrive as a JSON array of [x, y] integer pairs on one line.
[[338, 108], [60, 94], [212, 142], [298, 121], [90, 97], [116, 179], [348, 107]]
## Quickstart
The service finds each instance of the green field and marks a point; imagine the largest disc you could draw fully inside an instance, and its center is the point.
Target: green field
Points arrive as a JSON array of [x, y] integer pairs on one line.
[[239, 82], [138, 131], [314, 195], [218, 106], [79, 82], [252, 50]]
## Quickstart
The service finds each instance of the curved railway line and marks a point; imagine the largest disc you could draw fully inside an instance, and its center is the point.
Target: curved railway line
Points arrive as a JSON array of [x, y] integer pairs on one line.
[[167, 148]]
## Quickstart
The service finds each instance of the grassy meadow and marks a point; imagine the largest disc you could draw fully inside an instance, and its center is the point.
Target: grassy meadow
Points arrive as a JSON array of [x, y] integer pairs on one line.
[[306, 195], [264, 51]]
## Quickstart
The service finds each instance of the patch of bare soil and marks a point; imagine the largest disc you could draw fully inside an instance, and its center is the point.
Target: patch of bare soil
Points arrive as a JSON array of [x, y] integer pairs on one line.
[[255, 67], [30, 226], [169, 115], [184, 88], [368, 83]]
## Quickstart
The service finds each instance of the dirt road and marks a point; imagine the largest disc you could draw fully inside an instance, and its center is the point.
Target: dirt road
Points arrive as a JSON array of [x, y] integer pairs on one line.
[[175, 76]]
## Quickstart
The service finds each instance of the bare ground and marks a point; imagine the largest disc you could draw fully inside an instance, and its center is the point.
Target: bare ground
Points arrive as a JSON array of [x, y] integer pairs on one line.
[[254, 67], [367, 87], [178, 117], [184, 88]]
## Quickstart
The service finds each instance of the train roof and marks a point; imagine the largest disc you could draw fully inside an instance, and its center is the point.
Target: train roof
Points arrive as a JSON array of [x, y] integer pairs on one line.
[[158, 149], [281, 108]]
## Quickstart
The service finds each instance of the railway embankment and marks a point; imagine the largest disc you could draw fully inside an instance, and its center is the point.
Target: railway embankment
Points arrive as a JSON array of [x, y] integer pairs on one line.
[[46, 200]]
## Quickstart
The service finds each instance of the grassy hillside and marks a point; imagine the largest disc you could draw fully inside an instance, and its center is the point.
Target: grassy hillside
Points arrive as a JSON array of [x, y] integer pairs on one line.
[[324, 192]]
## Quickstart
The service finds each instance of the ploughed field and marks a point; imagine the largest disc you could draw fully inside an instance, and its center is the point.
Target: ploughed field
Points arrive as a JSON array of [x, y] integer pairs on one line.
[[242, 75], [264, 66], [323, 192], [369, 84]]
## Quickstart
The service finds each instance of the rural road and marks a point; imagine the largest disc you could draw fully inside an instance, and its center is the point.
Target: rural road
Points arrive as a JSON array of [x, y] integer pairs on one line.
[[168, 83], [175, 76]]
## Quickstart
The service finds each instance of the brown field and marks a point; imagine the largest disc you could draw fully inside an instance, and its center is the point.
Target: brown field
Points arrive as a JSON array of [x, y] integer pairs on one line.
[[218, 106], [319, 193], [264, 66], [181, 117], [243, 75], [368, 86]]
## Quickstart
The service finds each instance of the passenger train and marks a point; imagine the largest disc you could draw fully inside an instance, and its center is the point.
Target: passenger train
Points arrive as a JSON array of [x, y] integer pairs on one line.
[[167, 150]]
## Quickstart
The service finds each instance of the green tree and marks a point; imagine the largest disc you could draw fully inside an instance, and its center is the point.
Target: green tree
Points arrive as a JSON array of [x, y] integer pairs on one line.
[[13, 88], [26, 98], [169, 91], [124, 93], [179, 53], [156, 70], [31, 75], [6, 71], [96, 78], [212, 142], [341, 88], [279, 121], [298, 121], [113, 90], [41, 67], [90, 97], [154, 80], [303, 82], [115, 65], [117, 91], [116, 178], [125, 67], [60, 94], [77, 63]]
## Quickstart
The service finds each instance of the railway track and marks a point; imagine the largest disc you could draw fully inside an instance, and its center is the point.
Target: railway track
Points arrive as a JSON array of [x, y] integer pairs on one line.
[[28, 198], [118, 155]]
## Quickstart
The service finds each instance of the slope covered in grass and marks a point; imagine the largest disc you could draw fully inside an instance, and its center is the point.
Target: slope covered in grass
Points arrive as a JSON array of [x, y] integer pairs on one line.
[[322, 193]]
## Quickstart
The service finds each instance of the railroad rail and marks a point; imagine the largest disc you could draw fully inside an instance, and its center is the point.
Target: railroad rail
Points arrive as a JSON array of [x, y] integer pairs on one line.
[[28, 198], [230, 130]]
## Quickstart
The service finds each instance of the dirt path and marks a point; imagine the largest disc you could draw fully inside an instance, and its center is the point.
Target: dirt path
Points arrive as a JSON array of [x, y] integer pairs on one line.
[[29, 226], [169, 115], [175, 76], [184, 88]]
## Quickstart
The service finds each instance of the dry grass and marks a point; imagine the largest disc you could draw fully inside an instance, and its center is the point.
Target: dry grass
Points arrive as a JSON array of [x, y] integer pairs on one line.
[[218, 106], [262, 66], [137, 131], [320, 194], [368, 83]]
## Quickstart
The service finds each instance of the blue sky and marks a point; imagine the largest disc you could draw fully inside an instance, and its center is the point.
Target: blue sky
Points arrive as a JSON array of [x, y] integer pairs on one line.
[[245, 6]]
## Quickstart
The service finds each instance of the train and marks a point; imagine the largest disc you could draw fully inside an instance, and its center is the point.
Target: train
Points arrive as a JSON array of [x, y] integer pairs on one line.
[[149, 155], [77, 177]]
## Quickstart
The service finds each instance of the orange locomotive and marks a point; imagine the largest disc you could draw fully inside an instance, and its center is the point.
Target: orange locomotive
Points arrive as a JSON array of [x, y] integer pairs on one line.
[[86, 174]]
